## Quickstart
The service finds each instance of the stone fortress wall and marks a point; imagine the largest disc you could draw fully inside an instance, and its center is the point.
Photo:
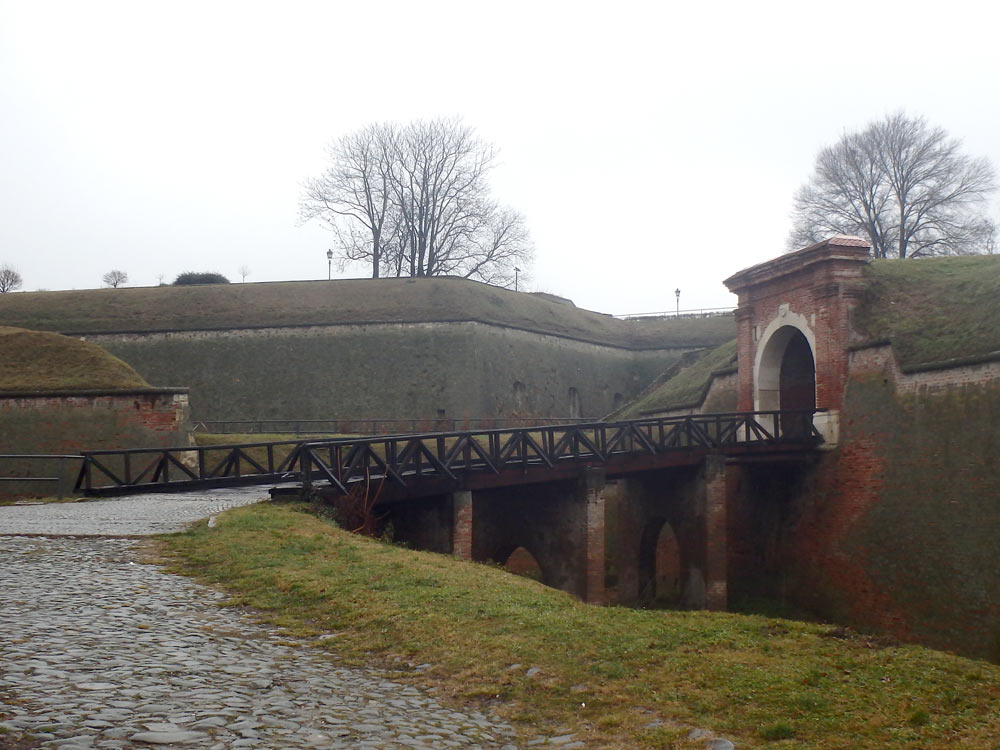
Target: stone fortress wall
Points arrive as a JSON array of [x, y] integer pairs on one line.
[[460, 370], [425, 349]]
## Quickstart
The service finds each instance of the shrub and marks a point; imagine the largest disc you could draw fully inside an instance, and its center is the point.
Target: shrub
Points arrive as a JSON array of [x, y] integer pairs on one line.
[[195, 277]]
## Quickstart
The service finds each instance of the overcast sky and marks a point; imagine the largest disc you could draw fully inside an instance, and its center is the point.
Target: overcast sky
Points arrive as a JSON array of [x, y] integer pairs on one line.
[[650, 145]]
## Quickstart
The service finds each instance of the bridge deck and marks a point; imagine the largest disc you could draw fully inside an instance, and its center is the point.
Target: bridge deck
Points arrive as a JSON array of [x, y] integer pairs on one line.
[[439, 462]]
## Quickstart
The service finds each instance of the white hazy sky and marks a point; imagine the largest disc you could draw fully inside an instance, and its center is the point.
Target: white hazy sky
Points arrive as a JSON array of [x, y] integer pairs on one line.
[[651, 145]]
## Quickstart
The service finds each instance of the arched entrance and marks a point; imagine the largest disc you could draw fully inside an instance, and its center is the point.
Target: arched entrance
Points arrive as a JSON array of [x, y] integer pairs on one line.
[[659, 565], [786, 371], [786, 374], [797, 377]]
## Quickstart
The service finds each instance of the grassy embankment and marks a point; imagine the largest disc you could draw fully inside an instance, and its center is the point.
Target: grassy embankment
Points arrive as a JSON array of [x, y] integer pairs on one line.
[[345, 301], [40, 361], [619, 677], [684, 386], [933, 309]]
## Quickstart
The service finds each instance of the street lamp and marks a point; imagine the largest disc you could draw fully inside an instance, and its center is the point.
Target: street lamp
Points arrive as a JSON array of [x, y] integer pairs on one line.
[[329, 264], [516, 272], [677, 293]]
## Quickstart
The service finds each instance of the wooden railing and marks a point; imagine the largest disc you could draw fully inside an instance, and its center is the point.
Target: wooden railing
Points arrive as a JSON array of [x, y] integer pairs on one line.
[[22, 473], [408, 459]]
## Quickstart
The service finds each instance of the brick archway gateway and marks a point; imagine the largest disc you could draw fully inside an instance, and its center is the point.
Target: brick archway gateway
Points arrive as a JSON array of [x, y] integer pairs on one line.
[[809, 294], [785, 370]]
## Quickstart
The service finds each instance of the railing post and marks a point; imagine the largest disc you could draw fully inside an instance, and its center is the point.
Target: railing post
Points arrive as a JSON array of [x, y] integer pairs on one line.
[[61, 472], [305, 466]]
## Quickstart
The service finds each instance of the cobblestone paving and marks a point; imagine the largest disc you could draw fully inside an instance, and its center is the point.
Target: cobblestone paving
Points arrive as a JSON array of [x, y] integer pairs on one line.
[[100, 651], [139, 515]]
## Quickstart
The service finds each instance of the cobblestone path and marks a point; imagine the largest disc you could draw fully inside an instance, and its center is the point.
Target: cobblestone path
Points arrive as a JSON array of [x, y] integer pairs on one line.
[[100, 651]]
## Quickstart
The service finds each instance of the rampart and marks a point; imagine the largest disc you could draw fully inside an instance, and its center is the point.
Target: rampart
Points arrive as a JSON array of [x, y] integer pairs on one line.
[[389, 370], [382, 349]]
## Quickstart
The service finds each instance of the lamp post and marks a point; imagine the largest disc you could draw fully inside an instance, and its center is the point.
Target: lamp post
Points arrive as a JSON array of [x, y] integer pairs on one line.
[[329, 264], [677, 293], [516, 272]]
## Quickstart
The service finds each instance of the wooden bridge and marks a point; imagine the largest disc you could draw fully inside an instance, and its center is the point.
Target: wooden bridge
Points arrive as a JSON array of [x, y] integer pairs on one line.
[[549, 490], [422, 464]]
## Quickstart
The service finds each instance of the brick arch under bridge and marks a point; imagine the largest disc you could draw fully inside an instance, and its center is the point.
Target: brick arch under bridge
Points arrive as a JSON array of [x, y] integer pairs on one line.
[[586, 531]]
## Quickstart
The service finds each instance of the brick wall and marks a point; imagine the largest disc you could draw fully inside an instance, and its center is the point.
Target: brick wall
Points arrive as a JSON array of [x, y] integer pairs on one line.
[[896, 529], [54, 423], [812, 290]]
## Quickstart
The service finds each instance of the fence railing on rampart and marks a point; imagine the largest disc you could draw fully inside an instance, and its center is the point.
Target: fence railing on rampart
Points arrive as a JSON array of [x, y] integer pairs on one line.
[[30, 474]]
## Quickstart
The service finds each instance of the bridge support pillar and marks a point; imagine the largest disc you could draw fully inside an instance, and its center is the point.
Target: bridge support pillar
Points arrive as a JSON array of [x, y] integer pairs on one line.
[[719, 484], [672, 532], [461, 532], [592, 485]]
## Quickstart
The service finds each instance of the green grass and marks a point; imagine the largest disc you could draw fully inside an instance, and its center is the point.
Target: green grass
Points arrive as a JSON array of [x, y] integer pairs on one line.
[[933, 309], [37, 500], [619, 677], [685, 387], [343, 301], [40, 361]]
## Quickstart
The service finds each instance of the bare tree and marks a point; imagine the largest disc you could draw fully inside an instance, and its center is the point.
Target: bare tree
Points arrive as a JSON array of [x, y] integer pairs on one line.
[[990, 232], [903, 185], [244, 271], [414, 200], [114, 278], [354, 196], [10, 279]]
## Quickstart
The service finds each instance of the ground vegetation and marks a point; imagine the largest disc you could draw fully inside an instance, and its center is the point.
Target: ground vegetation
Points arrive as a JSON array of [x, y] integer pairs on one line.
[[617, 677], [200, 277], [43, 361]]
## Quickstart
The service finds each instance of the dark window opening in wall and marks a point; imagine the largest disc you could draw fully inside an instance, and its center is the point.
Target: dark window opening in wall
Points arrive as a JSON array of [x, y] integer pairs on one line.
[[575, 410], [519, 396]]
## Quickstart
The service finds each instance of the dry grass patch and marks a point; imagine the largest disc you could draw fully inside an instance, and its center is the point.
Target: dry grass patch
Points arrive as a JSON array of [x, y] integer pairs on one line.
[[620, 677]]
